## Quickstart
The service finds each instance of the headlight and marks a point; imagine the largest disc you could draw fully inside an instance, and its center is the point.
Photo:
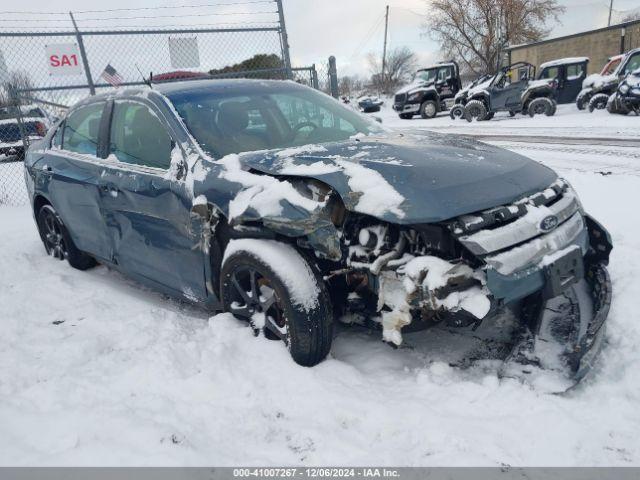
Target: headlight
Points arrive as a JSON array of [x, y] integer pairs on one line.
[[624, 88], [571, 191], [413, 97]]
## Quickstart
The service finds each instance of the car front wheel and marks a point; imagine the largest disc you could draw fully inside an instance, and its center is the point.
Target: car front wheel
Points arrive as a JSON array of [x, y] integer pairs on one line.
[[475, 110], [428, 109], [57, 240], [270, 285], [598, 102]]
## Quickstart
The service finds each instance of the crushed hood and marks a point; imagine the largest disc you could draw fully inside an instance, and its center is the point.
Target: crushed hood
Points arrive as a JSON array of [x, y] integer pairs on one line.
[[410, 178]]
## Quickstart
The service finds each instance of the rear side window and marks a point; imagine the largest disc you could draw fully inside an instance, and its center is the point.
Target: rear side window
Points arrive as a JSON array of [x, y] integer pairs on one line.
[[138, 136], [81, 129], [575, 71]]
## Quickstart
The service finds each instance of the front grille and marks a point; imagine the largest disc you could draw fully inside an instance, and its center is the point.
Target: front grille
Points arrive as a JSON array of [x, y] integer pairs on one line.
[[502, 228], [401, 98]]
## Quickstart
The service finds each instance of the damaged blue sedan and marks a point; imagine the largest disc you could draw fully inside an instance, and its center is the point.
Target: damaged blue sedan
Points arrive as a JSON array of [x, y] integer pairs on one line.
[[272, 201]]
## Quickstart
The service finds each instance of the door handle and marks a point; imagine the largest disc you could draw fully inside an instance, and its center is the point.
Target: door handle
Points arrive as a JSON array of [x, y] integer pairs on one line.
[[47, 169]]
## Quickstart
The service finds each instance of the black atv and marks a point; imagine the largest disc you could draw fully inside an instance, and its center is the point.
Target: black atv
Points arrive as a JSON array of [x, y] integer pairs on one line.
[[627, 97], [429, 91], [512, 90], [461, 98], [568, 73], [597, 88]]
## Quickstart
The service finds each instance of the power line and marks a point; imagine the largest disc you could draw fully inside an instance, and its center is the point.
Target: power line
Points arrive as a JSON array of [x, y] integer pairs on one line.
[[203, 5], [172, 26], [136, 17]]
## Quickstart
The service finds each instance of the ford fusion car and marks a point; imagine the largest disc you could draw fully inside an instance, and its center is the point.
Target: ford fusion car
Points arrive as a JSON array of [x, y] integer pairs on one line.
[[272, 201]]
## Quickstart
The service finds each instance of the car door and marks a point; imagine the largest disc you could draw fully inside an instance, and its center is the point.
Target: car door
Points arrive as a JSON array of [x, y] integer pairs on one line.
[[506, 93], [73, 174], [570, 82], [148, 212]]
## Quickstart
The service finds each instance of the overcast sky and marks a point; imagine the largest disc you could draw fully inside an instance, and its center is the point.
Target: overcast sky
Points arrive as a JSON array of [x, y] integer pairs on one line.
[[348, 29]]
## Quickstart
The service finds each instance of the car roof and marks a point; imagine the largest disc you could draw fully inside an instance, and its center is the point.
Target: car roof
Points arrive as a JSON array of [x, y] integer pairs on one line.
[[196, 85]]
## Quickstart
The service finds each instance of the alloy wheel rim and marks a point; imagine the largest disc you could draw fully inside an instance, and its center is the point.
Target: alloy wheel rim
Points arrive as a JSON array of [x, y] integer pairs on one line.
[[429, 109], [54, 240], [253, 298]]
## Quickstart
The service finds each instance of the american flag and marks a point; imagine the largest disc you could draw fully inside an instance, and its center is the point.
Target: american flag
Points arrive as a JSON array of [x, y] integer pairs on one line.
[[111, 75]]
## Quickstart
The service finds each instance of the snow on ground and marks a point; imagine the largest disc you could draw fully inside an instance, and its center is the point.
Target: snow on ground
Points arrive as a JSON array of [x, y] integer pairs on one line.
[[568, 121], [97, 370]]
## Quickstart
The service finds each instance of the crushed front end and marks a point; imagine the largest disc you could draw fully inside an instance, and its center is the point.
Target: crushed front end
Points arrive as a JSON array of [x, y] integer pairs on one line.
[[523, 256]]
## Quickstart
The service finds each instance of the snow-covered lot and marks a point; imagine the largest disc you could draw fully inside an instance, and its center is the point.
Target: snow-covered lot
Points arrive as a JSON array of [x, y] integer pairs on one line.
[[97, 370]]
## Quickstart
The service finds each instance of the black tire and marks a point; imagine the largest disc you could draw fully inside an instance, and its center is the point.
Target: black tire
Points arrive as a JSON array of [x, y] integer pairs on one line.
[[428, 109], [617, 106], [306, 330], [475, 110], [582, 102], [555, 108], [57, 241], [512, 113], [406, 116], [598, 102], [456, 112], [489, 116], [539, 106]]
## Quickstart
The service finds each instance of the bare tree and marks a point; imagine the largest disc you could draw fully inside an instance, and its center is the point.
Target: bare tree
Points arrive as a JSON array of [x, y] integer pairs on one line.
[[474, 32], [630, 17], [400, 64], [16, 80]]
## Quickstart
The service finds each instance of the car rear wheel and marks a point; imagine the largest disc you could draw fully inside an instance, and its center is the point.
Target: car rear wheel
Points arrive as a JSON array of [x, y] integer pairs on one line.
[[475, 110], [456, 112], [271, 286], [428, 109], [539, 106], [598, 102], [57, 241]]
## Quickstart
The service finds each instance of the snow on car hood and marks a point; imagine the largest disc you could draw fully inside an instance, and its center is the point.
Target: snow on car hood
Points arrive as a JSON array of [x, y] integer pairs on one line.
[[414, 86], [479, 88], [595, 80], [411, 178]]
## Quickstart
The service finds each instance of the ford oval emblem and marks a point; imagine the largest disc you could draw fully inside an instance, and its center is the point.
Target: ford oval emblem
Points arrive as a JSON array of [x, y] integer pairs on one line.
[[548, 223]]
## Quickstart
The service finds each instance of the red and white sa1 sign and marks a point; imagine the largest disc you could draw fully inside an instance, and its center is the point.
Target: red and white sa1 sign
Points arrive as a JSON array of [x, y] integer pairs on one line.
[[63, 59]]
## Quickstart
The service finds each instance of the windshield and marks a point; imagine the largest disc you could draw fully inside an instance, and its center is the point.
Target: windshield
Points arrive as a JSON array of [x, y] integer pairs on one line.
[[225, 121], [426, 75], [610, 67]]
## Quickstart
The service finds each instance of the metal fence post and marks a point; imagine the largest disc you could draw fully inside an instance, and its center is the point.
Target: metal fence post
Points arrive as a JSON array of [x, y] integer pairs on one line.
[[333, 77], [314, 77], [83, 55], [284, 39]]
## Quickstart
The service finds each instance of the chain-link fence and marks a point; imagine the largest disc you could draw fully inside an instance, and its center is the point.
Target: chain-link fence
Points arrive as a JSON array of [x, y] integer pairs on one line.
[[43, 73]]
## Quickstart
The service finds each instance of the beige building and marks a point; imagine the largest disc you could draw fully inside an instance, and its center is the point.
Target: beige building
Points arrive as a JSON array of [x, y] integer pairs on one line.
[[598, 45]]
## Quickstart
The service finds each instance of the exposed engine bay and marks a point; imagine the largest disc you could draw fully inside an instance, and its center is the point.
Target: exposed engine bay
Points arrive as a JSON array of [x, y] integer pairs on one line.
[[460, 270]]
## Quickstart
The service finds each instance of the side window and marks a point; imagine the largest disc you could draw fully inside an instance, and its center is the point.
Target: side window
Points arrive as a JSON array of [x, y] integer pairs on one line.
[[81, 129], [138, 137], [575, 71], [633, 64], [551, 72]]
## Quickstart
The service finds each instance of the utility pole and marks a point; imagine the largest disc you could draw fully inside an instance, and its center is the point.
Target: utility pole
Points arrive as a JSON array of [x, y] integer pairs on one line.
[[610, 10], [384, 49]]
